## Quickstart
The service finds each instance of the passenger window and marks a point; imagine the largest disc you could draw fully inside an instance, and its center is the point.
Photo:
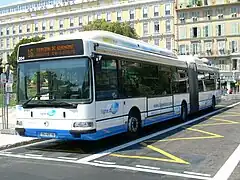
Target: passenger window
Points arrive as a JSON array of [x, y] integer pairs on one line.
[[106, 80]]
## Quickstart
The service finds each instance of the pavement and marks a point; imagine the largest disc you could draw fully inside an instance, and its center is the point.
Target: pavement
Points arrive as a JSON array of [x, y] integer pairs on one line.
[[205, 147]]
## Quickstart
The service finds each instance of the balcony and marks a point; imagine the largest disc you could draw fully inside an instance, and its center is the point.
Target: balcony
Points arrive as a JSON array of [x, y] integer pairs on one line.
[[205, 3], [210, 53]]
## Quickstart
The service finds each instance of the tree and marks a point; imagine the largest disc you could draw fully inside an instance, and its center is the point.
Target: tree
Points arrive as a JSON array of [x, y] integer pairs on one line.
[[116, 27], [12, 59]]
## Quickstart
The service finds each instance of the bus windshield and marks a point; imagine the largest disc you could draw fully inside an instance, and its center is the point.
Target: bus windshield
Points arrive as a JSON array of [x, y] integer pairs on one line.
[[61, 80]]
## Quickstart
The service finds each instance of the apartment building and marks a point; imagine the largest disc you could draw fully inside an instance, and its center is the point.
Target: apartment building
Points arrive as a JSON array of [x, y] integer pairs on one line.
[[153, 20], [211, 29]]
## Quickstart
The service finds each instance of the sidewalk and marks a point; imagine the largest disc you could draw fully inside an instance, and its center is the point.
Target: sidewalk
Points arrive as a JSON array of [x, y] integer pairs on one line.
[[7, 141]]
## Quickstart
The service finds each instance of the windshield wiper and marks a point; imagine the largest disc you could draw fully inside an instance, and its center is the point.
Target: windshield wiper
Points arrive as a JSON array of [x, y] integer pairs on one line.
[[36, 95]]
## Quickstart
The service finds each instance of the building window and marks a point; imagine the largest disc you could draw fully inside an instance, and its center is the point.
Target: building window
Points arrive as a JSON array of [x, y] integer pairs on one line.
[[168, 26], [145, 12], [182, 17], [182, 50], [220, 13], [131, 14], [145, 28], [208, 48], [13, 30], [156, 27], [61, 23], [119, 16], [195, 48], [182, 32], [44, 25], [168, 43], [71, 21], [80, 23], [36, 27], [220, 30], [195, 32], [221, 47], [14, 42], [90, 19], [7, 30], [51, 24], [208, 14], [234, 28], [234, 12], [156, 11], [1, 32], [156, 42], [167, 9], [8, 43], [98, 16], [234, 64], [205, 31], [233, 46], [28, 28], [51, 34], [109, 17]]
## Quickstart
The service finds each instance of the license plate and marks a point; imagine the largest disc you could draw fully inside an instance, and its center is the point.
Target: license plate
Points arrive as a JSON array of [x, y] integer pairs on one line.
[[46, 134]]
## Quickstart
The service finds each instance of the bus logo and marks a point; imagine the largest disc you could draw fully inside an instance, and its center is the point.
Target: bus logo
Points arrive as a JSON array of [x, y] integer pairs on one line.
[[112, 108], [51, 112]]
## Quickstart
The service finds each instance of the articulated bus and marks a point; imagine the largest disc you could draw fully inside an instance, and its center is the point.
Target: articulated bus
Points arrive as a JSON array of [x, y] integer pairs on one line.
[[95, 84]]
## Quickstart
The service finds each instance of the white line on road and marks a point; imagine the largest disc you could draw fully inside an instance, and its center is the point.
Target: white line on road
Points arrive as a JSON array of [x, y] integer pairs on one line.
[[199, 174], [148, 167], [104, 162], [34, 155], [229, 166], [68, 158], [31, 144], [146, 170], [109, 151]]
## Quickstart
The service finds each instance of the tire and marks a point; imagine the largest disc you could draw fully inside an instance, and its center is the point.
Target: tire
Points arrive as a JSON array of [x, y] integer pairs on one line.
[[213, 103], [134, 125], [184, 112]]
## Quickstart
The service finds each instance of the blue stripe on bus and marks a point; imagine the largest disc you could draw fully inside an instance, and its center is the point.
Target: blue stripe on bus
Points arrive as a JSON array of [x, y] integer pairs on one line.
[[64, 134]]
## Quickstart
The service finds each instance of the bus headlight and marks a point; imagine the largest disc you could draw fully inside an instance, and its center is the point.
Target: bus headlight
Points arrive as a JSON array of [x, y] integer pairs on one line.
[[83, 124], [19, 123]]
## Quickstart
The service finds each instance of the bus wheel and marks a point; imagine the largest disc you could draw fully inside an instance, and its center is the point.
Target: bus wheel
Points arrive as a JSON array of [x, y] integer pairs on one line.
[[184, 112], [134, 125], [213, 103]]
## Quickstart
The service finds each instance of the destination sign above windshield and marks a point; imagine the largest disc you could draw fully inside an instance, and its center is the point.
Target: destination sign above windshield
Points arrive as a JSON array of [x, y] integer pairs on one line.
[[51, 49]]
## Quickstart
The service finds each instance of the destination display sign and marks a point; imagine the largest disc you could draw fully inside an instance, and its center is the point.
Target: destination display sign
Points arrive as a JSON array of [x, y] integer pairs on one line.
[[51, 49]]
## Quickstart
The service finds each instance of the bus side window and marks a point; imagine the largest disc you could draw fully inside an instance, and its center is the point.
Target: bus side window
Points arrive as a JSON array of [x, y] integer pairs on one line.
[[106, 80]]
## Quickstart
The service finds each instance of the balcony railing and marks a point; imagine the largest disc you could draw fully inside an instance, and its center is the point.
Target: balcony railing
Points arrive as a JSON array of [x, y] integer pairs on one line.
[[210, 53]]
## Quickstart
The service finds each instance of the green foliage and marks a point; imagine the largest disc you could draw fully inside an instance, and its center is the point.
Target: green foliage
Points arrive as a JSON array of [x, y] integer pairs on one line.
[[116, 27], [12, 59]]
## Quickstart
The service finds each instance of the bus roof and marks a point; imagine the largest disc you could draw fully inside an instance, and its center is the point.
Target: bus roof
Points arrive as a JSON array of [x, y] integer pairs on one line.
[[114, 39]]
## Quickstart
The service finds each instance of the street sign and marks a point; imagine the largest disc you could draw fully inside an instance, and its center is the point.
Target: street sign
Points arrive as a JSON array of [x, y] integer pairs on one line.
[[10, 78], [8, 87], [3, 78]]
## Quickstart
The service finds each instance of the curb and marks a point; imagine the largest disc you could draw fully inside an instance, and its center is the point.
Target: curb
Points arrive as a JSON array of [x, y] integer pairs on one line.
[[5, 147]]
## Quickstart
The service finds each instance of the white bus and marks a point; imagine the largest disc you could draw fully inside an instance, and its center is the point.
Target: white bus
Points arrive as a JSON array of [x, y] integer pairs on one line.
[[95, 84]]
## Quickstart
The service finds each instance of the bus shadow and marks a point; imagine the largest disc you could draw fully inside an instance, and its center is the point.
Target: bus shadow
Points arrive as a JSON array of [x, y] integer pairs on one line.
[[90, 147]]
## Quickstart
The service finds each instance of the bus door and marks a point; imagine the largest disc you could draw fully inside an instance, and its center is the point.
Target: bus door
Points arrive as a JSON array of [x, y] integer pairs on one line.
[[193, 88]]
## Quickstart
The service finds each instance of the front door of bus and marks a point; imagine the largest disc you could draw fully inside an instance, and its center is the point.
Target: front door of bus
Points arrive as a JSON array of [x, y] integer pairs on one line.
[[193, 87]]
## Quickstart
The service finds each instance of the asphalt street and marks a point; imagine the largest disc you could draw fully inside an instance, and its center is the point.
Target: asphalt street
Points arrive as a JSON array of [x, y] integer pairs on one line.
[[198, 149]]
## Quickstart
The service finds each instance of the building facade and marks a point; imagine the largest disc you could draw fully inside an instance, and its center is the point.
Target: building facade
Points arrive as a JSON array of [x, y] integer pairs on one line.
[[211, 29], [153, 20]]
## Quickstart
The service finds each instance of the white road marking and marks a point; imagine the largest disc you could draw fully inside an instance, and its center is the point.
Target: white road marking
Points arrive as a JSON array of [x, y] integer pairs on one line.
[[229, 166], [109, 151], [148, 167], [104, 162], [147, 170], [7, 152], [199, 174], [27, 145], [68, 158], [34, 155]]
